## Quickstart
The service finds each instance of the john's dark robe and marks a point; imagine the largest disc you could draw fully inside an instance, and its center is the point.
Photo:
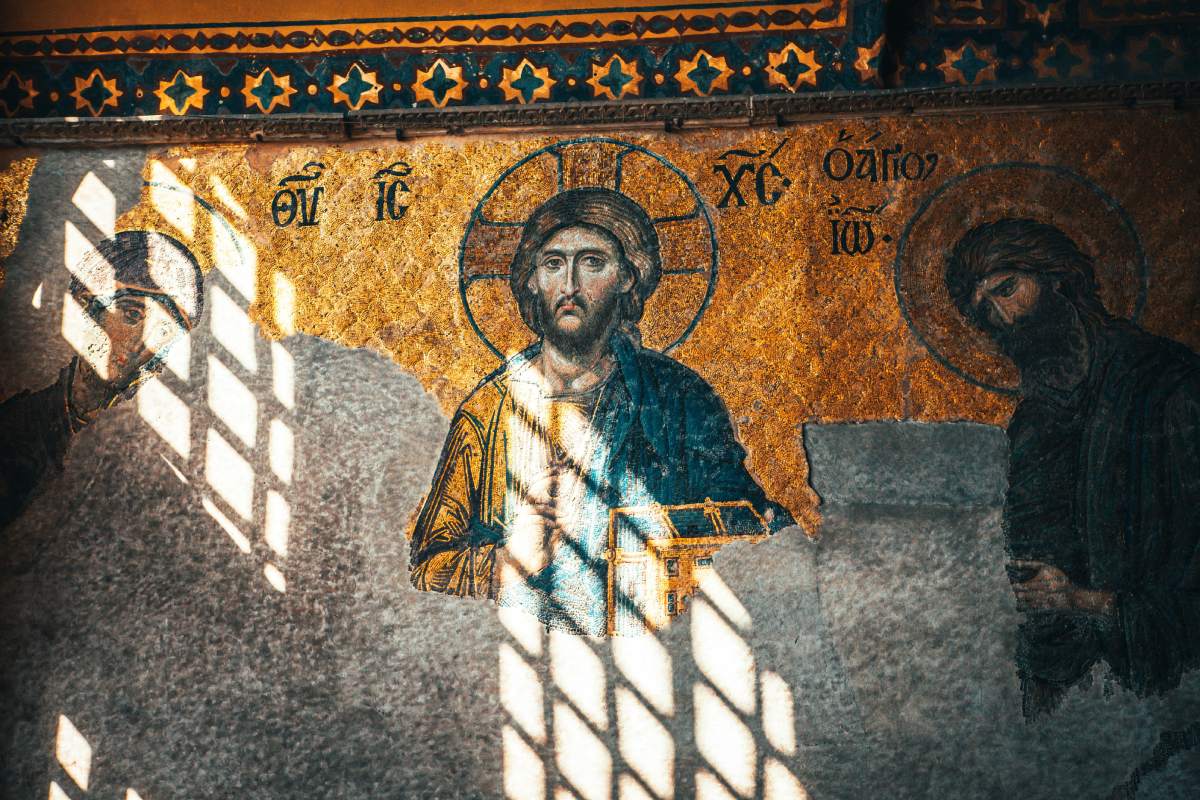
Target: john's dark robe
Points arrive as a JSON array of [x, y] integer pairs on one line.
[[660, 435], [35, 430], [1105, 484]]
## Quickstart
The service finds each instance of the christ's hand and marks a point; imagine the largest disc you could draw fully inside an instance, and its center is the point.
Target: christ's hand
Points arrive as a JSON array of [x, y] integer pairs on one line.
[[536, 532]]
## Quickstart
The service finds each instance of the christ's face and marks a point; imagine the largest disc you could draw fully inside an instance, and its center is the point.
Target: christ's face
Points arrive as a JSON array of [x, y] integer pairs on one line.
[[578, 279]]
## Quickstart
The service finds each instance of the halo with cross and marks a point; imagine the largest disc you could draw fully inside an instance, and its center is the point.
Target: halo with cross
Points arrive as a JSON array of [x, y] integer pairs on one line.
[[1093, 219], [687, 238]]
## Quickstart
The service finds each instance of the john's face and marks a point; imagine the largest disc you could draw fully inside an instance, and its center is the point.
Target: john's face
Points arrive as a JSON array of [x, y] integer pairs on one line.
[[130, 331], [1005, 298], [1033, 324], [578, 280]]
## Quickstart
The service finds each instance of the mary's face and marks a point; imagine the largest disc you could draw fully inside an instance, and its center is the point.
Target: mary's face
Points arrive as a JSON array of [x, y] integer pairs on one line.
[[129, 331], [578, 279]]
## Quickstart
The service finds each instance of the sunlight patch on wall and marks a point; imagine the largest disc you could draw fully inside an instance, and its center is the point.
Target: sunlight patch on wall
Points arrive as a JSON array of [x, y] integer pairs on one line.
[[521, 694], [232, 328], [97, 203], [226, 198], [176, 207], [282, 446], [237, 260], [283, 375], [524, 775], [226, 524], [275, 577], [73, 752], [284, 308], [778, 713], [278, 518], [780, 784], [85, 337], [583, 759], [724, 740], [167, 415], [579, 675], [230, 475], [100, 278], [645, 744], [231, 401], [179, 358], [723, 656], [646, 664]]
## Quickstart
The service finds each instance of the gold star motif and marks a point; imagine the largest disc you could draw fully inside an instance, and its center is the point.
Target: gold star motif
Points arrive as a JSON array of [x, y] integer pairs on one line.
[[1034, 13], [356, 88], [696, 75], [1078, 67], [448, 73], [603, 79], [519, 83], [282, 98], [24, 86], [174, 95], [862, 64], [1136, 48], [83, 103], [806, 57], [956, 60]]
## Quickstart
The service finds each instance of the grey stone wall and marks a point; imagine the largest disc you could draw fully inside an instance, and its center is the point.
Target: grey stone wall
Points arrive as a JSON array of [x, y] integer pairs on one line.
[[876, 662]]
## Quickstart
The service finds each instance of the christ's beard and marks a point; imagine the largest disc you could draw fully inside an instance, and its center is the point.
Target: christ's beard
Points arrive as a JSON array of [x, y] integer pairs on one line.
[[595, 322], [1049, 345]]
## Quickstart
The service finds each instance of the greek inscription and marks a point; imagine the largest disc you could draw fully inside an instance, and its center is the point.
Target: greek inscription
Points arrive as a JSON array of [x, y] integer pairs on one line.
[[852, 227], [391, 202], [769, 182], [876, 163], [299, 197]]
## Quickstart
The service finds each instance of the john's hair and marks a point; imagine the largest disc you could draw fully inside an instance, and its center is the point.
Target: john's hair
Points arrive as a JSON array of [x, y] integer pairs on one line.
[[1025, 245], [603, 210], [144, 261]]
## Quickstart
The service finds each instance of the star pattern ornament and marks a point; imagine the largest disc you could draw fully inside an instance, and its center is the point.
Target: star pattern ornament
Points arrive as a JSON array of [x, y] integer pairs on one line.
[[704, 74], [867, 65], [1062, 59], [268, 91], [181, 93], [969, 64], [615, 79], [16, 94], [95, 92], [439, 84], [356, 88], [526, 83], [791, 66], [1154, 54], [1042, 11]]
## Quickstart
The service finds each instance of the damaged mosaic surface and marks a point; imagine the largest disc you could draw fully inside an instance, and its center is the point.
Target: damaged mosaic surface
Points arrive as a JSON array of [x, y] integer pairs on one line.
[[829, 273]]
